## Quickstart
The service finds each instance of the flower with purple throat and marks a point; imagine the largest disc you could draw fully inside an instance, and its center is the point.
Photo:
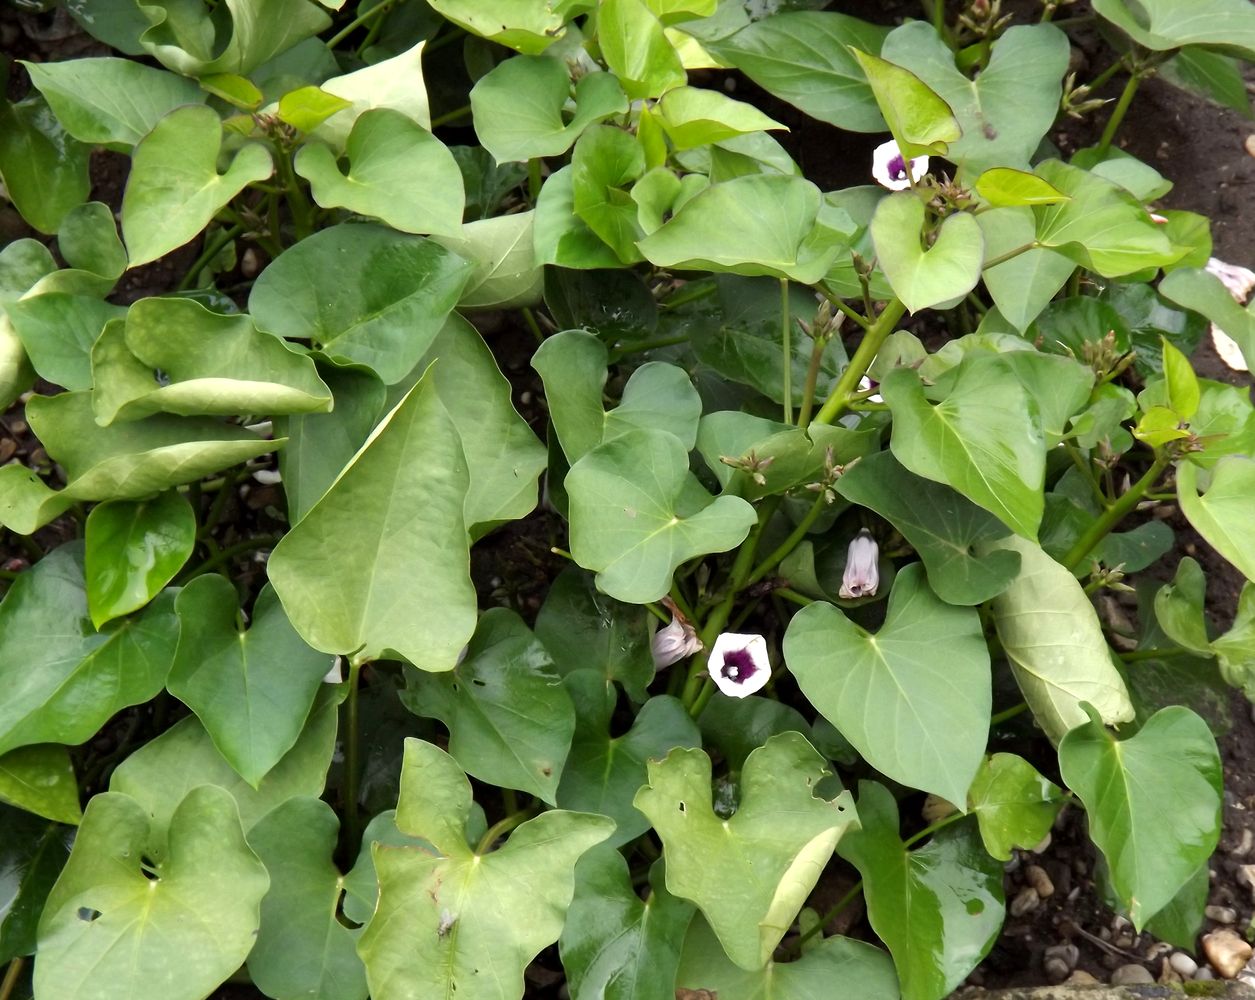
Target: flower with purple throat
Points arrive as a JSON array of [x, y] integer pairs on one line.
[[889, 167], [738, 664]]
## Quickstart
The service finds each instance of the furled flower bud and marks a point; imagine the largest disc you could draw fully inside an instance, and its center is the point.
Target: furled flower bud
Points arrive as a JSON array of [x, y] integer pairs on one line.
[[673, 643], [862, 569], [889, 167], [738, 664]]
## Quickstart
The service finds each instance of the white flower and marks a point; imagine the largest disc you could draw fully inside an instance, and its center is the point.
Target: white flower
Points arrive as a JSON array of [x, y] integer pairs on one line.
[[673, 643], [889, 167], [738, 664], [862, 570], [864, 384], [1239, 281]]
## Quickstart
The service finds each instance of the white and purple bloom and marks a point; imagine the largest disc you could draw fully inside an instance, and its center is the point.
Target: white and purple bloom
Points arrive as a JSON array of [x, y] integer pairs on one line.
[[889, 167], [674, 642], [862, 568], [738, 664]]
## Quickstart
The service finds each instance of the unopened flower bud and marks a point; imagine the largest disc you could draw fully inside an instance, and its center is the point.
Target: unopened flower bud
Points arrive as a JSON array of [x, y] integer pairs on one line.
[[738, 664], [673, 643], [862, 567]]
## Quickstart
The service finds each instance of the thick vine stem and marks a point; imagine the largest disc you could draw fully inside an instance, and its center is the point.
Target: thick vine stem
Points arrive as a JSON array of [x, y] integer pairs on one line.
[[1117, 115], [868, 348], [1114, 514]]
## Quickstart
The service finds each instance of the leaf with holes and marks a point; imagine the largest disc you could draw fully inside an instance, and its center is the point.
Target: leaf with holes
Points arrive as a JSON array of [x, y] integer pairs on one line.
[[170, 931], [749, 875], [460, 920]]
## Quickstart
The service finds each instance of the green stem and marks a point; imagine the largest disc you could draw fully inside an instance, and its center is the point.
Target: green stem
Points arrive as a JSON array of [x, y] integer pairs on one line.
[[928, 831], [450, 116], [503, 826], [790, 543], [352, 762], [870, 345], [1114, 514], [840, 905], [1153, 654], [230, 552], [11, 976], [1002, 258], [852, 313], [789, 594], [786, 376], [529, 318], [1008, 713], [1106, 75], [533, 178], [211, 250], [690, 291], [939, 24], [1087, 473], [812, 381], [703, 696], [299, 205], [1117, 116], [640, 346], [358, 21]]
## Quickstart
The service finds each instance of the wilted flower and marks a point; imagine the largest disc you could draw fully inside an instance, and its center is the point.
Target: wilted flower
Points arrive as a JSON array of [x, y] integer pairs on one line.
[[862, 569], [738, 664], [889, 167], [674, 642], [1239, 281]]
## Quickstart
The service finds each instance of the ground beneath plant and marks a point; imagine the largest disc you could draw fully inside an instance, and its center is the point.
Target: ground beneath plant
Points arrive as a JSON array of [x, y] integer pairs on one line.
[[1058, 928]]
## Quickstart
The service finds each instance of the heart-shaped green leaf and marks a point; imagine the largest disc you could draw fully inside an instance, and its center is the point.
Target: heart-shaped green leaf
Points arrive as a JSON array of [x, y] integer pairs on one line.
[[603, 772], [393, 294], [605, 162], [1225, 513], [503, 454], [398, 512], [983, 439], [236, 38], [40, 779], [174, 189], [804, 57], [942, 525], [168, 930], [1179, 607], [1226, 25], [440, 916], [395, 83], [517, 107], [1024, 285], [1101, 226], [757, 224], [1055, 644], [694, 116], [128, 461], [862, 969], [1006, 187], [303, 949], [574, 366], [938, 908], [945, 272], [57, 330], [206, 363], [1012, 102], [134, 548], [1013, 804], [43, 169], [108, 101], [637, 50], [524, 25], [583, 629], [509, 718], [630, 530], [562, 237], [63, 678], [914, 697], [503, 252], [252, 690], [920, 121], [1151, 850], [615, 945], [750, 874], [398, 172]]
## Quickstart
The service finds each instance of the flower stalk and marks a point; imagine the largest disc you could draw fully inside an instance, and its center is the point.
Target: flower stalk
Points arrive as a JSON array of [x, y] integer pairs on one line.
[[868, 348]]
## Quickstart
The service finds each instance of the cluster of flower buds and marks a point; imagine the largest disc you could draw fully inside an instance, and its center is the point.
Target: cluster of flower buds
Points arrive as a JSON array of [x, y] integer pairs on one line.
[[984, 18], [750, 464], [1076, 102]]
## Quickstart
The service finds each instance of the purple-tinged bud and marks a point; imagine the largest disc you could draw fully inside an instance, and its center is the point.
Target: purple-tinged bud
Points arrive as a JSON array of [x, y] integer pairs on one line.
[[862, 567], [673, 643]]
